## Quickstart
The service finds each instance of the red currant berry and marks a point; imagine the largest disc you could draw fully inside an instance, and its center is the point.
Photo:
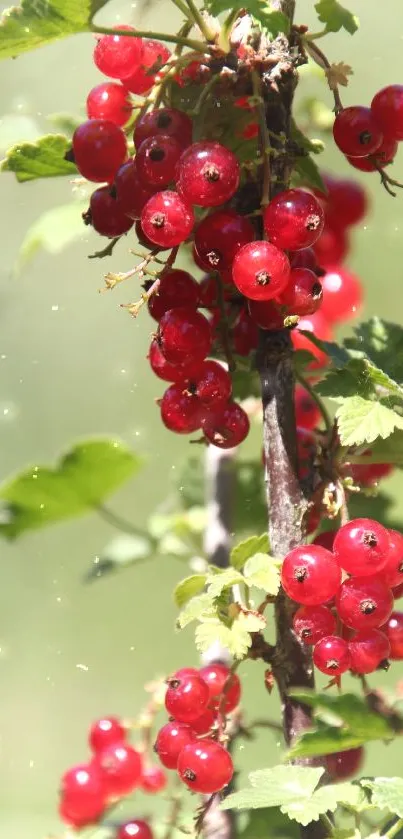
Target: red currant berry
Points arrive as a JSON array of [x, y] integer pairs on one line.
[[156, 160], [166, 219], [211, 385], [384, 155], [303, 292], [332, 246], [356, 133], [205, 767], [227, 427], [393, 571], [368, 474], [219, 237], [364, 602], [106, 732], [326, 540], [99, 148], [155, 55], [294, 219], [266, 314], [307, 413], [367, 650], [121, 768], [342, 294], [167, 121], [171, 739], [362, 547], [343, 765], [394, 633], [304, 258], [245, 334], [260, 270], [109, 101], [310, 575], [224, 687], [321, 328], [184, 335], [144, 241], [204, 723], [185, 671], [180, 409], [166, 371], [347, 202], [131, 194], [153, 779], [387, 110], [186, 698], [82, 796], [311, 623], [105, 215], [331, 655], [134, 829], [208, 174], [176, 288], [208, 294], [398, 591], [118, 56]]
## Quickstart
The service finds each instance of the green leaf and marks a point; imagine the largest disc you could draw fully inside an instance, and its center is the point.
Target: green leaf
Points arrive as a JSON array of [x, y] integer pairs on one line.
[[382, 343], [249, 547], [358, 376], [236, 638], [323, 800], [80, 482], [389, 450], [43, 159], [336, 17], [306, 173], [252, 621], [200, 607], [188, 588], [38, 22], [263, 572], [271, 20], [275, 787], [53, 231], [222, 580], [363, 421], [386, 794], [269, 823]]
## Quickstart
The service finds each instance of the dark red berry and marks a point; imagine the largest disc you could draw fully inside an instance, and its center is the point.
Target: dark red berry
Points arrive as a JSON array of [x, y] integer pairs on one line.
[[145, 242], [266, 314], [394, 633], [326, 539], [303, 292], [356, 133], [387, 110], [156, 160], [166, 371], [245, 334], [384, 155], [205, 766], [342, 294], [393, 571], [398, 591], [118, 56], [304, 258], [227, 427], [153, 779], [331, 655], [166, 219], [167, 121], [224, 687], [99, 148], [311, 623], [364, 602], [332, 246], [121, 768], [307, 413], [134, 829], [219, 237], [208, 293], [109, 101], [310, 575], [154, 55], [368, 474], [184, 335], [204, 723], [105, 215], [260, 270], [106, 732], [82, 796], [131, 194], [343, 765], [346, 201], [186, 698], [208, 174], [367, 650], [294, 219], [180, 409], [170, 741], [211, 385], [362, 547], [176, 288]]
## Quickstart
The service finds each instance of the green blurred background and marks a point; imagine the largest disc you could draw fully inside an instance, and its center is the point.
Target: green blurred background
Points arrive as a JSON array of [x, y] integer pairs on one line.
[[72, 364]]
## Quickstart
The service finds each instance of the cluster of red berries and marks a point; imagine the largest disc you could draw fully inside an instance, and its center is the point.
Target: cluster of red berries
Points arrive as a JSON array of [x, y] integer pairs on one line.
[[369, 137], [346, 583], [197, 702]]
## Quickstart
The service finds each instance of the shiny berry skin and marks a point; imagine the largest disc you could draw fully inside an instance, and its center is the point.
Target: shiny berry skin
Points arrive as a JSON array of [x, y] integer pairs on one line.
[[311, 623], [118, 56], [208, 174], [260, 270], [303, 292], [105, 215], [387, 110], [167, 121], [364, 602], [211, 385], [153, 779], [332, 246], [356, 133], [227, 427], [82, 795], [156, 160], [154, 54], [310, 575], [304, 258], [186, 698], [224, 687], [393, 570], [204, 723], [166, 371], [346, 201], [109, 101], [384, 155], [331, 655], [220, 236], [326, 539], [394, 632], [293, 220], [245, 334], [166, 219], [99, 148], [343, 765], [205, 767], [367, 650], [121, 768], [134, 829], [342, 294], [180, 409], [208, 294], [362, 547], [171, 739], [176, 288], [307, 413], [266, 314], [131, 194], [106, 732], [184, 335]]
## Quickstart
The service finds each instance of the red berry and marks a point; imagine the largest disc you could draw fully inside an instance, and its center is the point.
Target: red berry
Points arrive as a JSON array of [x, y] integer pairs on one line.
[[185, 671], [364, 602], [245, 334], [176, 288], [331, 655], [266, 314], [304, 258], [166, 219], [208, 174], [311, 623], [82, 796], [211, 385], [367, 650], [205, 767], [131, 194], [156, 160], [166, 371], [180, 409], [153, 779], [186, 698], [387, 110], [170, 741], [121, 768], [294, 219], [393, 571], [307, 413], [144, 241], [343, 765], [394, 632], [105, 215], [362, 547], [106, 732], [310, 575], [134, 829], [398, 591], [167, 121], [220, 236], [356, 133], [184, 335], [227, 427], [368, 474], [118, 56], [303, 292], [208, 294], [224, 687], [155, 55], [342, 294], [99, 148], [204, 723], [332, 246], [326, 539], [321, 328], [109, 101], [260, 270], [346, 201], [384, 155]]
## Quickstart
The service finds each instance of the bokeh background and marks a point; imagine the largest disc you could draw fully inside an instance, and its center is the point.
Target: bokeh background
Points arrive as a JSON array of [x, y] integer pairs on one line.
[[72, 364]]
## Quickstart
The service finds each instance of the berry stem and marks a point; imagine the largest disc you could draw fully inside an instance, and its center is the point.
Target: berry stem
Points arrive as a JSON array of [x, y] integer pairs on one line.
[[394, 829], [264, 138], [200, 46], [319, 57], [134, 308], [111, 279], [200, 21], [317, 399], [106, 251], [327, 824], [120, 523]]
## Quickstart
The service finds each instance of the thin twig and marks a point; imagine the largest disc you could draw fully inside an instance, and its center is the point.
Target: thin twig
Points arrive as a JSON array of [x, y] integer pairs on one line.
[[107, 251], [319, 57], [200, 46], [120, 523], [134, 308], [263, 137], [112, 280]]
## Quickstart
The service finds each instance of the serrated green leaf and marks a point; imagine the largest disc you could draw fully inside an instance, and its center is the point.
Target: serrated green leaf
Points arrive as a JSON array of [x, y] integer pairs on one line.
[[389, 450], [188, 588], [336, 17], [325, 739], [43, 159], [358, 376], [222, 580], [249, 547], [363, 421], [271, 20], [80, 482], [252, 621], [306, 173], [382, 343], [200, 607], [53, 231], [275, 787], [263, 572], [386, 794], [38, 22], [323, 800], [235, 639]]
